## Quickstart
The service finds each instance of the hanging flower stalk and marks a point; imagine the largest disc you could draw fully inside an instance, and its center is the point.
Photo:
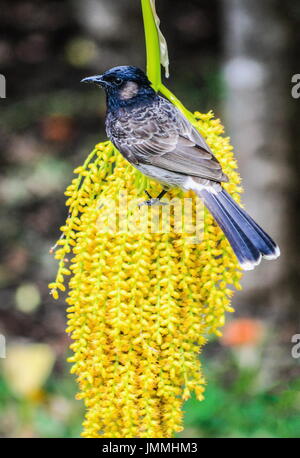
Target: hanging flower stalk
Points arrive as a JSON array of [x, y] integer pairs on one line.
[[141, 303]]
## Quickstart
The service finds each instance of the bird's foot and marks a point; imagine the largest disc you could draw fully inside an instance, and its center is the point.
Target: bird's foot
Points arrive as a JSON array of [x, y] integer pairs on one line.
[[152, 201]]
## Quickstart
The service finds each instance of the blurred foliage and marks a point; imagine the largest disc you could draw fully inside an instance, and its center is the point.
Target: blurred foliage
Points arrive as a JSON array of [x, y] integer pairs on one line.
[[52, 413], [231, 410]]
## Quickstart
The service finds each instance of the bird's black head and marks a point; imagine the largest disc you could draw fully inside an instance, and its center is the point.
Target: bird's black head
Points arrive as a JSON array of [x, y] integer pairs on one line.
[[125, 85]]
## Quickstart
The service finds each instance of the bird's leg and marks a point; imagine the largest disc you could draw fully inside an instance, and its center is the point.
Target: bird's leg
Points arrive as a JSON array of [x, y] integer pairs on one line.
[[154, 200], [161, 194], [148, 194]]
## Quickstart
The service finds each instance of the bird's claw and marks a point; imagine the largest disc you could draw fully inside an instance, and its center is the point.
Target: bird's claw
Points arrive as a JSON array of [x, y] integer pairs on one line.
[[151, 202]]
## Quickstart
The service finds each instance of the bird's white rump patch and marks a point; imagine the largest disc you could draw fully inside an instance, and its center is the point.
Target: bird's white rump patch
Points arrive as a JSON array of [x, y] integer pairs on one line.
[[129, 90], [190, 183]]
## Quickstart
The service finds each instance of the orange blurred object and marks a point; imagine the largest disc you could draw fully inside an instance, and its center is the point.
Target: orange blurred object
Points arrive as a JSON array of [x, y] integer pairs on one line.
[[242, 331], [57, 128]]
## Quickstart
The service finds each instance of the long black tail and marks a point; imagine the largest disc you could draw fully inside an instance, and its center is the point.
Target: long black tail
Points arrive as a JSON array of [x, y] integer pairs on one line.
[[248, 240]]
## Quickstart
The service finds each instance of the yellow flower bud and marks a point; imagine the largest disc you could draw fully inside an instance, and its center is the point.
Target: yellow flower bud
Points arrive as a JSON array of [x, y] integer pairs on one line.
[[140, 302]]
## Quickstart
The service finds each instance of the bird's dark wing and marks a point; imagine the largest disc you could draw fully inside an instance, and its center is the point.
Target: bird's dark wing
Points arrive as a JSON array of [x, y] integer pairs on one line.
[[160, 135]]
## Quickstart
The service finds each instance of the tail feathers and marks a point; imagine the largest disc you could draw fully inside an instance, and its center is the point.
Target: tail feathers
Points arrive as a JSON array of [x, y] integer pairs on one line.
[[248, 240]]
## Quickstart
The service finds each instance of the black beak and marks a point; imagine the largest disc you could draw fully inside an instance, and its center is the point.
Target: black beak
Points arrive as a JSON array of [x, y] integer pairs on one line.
[[97, 79]]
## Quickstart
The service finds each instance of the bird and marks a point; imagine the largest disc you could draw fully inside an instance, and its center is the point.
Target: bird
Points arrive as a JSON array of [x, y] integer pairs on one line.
[[155, 137]]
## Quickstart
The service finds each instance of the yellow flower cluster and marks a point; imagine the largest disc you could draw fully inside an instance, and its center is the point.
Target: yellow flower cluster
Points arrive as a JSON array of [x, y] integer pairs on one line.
[[140, 303]]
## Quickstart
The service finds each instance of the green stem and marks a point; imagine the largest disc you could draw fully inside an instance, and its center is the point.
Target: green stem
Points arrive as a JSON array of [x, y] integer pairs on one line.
[[152, 45], [170, 96], [153, 60]]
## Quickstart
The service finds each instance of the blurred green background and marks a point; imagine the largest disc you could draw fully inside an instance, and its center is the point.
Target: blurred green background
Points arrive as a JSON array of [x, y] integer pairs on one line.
[[236, 57]]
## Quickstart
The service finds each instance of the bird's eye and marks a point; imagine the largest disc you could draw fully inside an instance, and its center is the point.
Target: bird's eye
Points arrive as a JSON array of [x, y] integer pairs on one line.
[[118, 81]]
